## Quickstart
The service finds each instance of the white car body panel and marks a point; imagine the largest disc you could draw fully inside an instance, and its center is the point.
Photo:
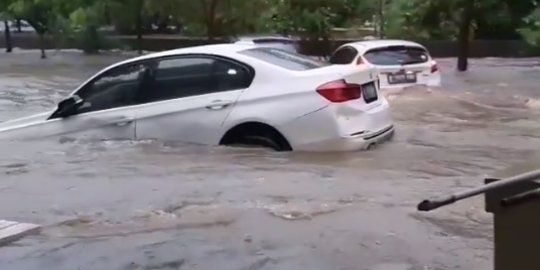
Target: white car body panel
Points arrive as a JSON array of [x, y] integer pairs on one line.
[[341, 129], [196, 119], [110, 124], [286, 100], [423, 70]]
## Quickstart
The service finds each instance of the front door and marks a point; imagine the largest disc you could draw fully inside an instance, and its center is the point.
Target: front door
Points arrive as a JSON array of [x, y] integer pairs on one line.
[[190, 98], [108, 108]]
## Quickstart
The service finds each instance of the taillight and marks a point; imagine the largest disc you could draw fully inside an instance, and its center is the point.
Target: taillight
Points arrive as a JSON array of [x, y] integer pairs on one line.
[[340, 91], [434, 68]]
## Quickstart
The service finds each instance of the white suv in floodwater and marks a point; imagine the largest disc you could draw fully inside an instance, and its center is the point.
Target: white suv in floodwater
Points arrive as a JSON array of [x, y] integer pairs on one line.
[[400, 63]]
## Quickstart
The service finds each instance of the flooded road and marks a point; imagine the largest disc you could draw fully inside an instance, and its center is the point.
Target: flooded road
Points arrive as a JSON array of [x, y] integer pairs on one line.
[[150, 205]]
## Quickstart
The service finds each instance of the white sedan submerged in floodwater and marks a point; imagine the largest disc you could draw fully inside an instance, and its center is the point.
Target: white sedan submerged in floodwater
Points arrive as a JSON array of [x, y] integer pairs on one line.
[[400, 63], [226, 94]]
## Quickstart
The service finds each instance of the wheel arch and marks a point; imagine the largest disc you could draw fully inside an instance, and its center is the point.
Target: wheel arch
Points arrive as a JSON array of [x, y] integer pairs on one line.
[[253, 127]]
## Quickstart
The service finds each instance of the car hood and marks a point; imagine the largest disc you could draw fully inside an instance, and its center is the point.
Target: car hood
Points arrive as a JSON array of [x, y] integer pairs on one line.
[[24, 121]]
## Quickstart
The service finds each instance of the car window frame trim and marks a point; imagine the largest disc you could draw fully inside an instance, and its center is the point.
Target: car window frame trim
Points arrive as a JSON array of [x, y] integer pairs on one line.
[[148, 63], [251, 71]]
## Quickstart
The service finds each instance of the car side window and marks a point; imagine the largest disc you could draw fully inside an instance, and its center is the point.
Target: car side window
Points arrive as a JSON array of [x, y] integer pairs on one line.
[[118, 87], [192, 76], [230, 76], [343, 56]]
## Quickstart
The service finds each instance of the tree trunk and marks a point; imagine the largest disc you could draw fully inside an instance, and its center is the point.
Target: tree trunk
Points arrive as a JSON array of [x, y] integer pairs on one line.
[[464, 34], [19, 30], [7, 33], [381, 19], [42, 45], [139, 26], [210, 17]]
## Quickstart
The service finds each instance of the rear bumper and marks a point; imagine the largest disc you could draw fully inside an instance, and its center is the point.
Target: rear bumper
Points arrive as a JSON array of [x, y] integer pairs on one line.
[[328, 131], [359, 142], [432, 80]]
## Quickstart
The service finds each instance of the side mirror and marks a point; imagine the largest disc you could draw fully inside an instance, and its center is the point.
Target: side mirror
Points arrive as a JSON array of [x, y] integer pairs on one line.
[[67, 107]]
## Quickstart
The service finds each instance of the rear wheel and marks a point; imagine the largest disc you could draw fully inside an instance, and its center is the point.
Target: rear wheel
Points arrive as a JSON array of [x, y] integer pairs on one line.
[[256, 134]]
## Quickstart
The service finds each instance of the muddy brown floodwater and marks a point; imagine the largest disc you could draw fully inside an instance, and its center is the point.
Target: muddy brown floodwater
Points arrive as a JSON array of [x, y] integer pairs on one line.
[[150, 205]]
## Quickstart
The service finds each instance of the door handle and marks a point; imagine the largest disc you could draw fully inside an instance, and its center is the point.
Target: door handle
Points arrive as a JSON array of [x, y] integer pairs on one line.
[[218, 104], [124, 121]]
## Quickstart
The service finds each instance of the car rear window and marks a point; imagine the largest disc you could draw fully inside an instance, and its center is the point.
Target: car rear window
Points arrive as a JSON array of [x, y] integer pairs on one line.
[[397, 55], [284, 59]]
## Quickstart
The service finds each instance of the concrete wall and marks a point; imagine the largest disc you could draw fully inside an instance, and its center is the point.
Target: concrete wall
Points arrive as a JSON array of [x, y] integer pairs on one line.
[[439, 48]]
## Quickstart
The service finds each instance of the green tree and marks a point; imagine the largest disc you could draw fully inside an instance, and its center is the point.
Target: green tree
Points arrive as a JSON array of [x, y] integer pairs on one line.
[[502, 19], [451, 19], [531, 30], [85, 22], [132, 16], [425, 19], [207, 16], [310, 18], [40, 14]]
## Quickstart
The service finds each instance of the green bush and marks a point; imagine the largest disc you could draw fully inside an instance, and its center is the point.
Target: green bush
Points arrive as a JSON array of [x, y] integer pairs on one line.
[[531, 32]]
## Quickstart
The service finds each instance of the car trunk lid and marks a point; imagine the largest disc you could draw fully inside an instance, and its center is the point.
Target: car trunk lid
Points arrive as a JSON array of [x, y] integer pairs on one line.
[[331, 78]]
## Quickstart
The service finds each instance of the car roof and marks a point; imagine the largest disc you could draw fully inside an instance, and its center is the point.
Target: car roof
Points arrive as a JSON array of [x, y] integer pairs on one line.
[[226, 49], [366, 45]]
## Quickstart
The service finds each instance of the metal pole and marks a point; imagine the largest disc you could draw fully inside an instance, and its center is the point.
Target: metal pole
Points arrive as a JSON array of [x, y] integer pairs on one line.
[[428, 205]]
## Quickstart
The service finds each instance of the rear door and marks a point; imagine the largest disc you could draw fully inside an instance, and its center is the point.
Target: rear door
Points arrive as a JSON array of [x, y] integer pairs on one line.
[[400, 64], [190, 97]]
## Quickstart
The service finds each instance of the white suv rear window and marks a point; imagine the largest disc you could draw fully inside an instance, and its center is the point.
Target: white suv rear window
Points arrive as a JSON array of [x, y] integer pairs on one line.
[[397, 55]]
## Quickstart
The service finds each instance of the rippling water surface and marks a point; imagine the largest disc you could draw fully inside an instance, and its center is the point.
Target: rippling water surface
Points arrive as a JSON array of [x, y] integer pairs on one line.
[[151, 205]]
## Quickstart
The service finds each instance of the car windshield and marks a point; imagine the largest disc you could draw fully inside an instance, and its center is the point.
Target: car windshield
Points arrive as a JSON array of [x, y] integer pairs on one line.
[[283, 58], [397, 55]]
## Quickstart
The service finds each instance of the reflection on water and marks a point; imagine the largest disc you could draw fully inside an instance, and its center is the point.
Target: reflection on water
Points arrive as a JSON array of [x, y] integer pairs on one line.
[[151, 205]]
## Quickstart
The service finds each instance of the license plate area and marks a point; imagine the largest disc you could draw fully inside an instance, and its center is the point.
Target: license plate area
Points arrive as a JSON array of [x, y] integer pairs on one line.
[[369, 92], [402, 77]]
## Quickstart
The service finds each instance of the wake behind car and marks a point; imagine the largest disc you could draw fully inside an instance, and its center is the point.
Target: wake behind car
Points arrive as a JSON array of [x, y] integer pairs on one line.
[[400, 63], [226, 94]]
